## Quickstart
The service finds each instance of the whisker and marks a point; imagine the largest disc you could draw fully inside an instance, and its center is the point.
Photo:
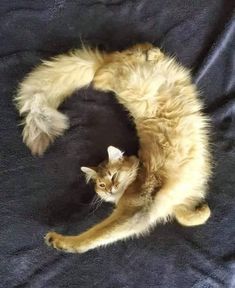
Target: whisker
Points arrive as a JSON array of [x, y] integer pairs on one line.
[[95, 203], [94, 200]]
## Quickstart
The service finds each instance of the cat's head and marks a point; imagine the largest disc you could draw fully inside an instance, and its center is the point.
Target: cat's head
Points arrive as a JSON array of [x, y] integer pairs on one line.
[[114, 175]]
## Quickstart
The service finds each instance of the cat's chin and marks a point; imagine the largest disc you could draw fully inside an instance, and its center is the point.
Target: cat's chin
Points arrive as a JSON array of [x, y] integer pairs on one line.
[[112, 198]]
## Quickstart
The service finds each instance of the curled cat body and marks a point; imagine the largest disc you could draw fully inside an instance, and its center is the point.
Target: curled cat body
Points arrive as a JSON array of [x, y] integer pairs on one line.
[[170, 177]]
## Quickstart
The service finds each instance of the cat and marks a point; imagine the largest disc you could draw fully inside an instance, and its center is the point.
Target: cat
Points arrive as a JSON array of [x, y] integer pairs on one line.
[[174, 162]]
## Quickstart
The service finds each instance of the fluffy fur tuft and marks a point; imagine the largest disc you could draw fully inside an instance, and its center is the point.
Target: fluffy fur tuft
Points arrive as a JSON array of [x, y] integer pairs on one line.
[[45, 88]]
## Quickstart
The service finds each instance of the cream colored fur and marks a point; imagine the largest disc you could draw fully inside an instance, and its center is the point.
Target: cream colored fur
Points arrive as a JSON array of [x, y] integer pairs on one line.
[[45, 88], [172, 131]]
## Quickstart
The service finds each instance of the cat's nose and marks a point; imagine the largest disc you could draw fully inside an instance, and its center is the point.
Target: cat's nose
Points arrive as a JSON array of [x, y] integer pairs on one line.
[[112, 191]]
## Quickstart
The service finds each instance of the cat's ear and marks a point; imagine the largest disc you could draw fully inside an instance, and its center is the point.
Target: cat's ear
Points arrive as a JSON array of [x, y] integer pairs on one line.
[[114, 154], [90, 173]]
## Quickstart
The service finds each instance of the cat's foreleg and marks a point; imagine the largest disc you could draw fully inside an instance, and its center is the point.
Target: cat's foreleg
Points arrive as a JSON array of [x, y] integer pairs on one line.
[[46, 87], [120, 225]]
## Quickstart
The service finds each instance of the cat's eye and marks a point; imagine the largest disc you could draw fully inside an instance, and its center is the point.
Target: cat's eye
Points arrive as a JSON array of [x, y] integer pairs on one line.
[[102, 185], [114, 176]]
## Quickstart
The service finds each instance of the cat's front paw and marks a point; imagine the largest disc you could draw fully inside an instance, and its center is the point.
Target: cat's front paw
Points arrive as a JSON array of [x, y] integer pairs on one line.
[[64, 243], [53, 239]]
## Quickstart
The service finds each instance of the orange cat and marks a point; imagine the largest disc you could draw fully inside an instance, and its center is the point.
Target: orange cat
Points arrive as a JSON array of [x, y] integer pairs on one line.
[[174, 159]]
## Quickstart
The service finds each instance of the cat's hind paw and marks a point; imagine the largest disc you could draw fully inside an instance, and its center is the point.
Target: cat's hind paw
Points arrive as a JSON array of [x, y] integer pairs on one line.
[[193, 217]]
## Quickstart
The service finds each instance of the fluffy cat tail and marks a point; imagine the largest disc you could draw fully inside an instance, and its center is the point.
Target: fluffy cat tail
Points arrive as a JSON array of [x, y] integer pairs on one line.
[[45, 88]]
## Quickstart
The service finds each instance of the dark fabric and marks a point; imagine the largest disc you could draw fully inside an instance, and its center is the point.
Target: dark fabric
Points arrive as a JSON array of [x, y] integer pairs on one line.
[[49, 193]]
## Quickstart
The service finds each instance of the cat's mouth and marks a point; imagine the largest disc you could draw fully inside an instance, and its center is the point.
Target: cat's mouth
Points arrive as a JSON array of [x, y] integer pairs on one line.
[[112, 192]]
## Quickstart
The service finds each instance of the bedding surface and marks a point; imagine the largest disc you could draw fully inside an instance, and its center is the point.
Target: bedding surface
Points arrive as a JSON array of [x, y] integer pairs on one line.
[[49, 193]]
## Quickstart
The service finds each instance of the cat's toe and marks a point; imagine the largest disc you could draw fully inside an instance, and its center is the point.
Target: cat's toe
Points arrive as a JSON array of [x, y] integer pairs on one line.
[[55, 240], [51, 239]]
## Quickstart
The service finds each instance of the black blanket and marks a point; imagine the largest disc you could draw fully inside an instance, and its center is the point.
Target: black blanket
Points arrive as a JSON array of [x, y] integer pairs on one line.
[[49, 193]]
